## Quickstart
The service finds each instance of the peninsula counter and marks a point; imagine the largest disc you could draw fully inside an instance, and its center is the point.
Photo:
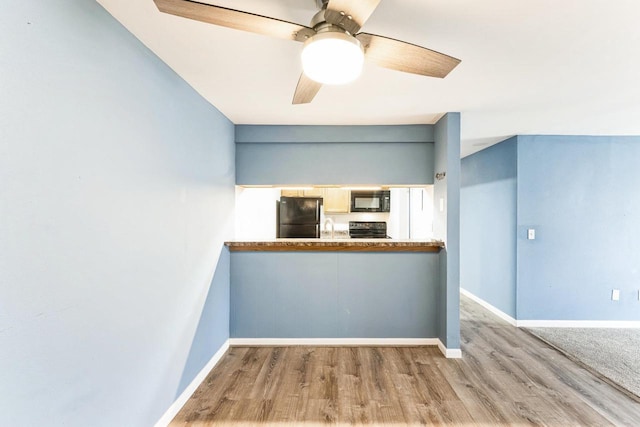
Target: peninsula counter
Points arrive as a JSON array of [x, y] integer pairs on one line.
[[337, 245], [335, 291]]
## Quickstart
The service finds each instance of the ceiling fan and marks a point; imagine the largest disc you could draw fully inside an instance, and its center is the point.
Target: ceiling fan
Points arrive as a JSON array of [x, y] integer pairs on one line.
[[334, 50]]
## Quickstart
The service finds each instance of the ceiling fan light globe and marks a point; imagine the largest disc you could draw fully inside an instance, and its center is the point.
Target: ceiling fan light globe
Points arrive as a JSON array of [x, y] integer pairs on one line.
[[332, 58]]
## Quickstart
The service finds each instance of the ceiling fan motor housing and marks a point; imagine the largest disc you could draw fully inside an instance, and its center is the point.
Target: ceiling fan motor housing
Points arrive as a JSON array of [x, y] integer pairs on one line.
[[332, 56]]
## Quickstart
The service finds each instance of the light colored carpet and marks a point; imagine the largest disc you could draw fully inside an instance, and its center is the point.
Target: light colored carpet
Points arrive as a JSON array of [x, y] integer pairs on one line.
[[614, 353]]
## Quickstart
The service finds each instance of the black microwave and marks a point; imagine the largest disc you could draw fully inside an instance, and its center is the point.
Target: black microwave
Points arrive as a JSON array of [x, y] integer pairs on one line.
[[370, 201]]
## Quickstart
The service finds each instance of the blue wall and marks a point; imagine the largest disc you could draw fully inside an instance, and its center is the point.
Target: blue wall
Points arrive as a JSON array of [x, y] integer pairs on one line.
[[117, 194], [267, 155], [488, 225], [212, 329], [334, 295], [313, 134], [581, 195], [447, 224]]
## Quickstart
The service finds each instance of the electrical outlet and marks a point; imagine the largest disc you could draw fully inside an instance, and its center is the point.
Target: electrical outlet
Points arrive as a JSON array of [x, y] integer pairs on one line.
[[615, 295]]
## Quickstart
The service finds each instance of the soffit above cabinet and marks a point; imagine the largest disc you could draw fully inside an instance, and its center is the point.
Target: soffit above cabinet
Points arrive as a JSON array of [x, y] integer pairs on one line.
[[246, 134], [335, 164]]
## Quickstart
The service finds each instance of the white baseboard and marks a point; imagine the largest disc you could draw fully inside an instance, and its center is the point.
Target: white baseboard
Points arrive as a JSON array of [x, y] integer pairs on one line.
[[450, 353], [579, 323], [501, 314], [346, 342], [340, 342], [552, 323], [191, 388]]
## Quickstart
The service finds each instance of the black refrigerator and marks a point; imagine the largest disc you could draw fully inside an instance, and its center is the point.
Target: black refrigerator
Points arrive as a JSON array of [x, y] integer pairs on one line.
[[298, 217]]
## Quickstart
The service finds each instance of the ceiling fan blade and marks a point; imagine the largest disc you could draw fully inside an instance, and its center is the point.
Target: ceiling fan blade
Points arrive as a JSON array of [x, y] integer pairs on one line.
[[306, 90], [236, 19], [339, 11], [407, 57]]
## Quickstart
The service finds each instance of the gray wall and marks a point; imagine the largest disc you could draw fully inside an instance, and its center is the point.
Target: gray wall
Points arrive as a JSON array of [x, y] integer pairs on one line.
[[268, 155], [488, 212], [447, 224], [116, 195], [334, 295]]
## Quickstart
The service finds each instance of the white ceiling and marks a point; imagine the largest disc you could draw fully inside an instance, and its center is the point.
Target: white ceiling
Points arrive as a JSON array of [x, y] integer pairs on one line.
[[528, 66]]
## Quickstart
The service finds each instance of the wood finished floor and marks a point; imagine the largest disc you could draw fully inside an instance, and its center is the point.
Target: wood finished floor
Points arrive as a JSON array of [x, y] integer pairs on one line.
[[506, 377]]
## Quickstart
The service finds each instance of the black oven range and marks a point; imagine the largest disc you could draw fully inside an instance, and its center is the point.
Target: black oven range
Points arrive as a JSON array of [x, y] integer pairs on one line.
[[368, 230]]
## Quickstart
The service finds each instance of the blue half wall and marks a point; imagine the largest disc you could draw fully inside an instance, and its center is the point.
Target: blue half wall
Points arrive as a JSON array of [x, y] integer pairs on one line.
[[334, 295]]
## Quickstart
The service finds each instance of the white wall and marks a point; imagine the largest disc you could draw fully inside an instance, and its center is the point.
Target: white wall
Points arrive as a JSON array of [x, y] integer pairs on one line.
[[116, 194], [398, 226], [421, 213], [256, 213]]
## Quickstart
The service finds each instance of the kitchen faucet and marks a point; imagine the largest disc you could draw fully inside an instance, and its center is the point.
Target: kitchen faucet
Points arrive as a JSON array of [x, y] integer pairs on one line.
[[330, 221]]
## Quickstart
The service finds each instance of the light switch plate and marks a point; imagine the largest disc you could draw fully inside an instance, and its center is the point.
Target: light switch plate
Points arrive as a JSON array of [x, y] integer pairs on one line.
[[531, 234], [615, 295]]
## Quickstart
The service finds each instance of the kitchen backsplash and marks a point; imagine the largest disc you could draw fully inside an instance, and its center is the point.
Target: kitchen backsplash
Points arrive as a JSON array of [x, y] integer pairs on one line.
[[341, 221]]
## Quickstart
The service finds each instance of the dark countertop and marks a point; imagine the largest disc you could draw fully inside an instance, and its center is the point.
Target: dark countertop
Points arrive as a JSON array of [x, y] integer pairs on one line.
[[336, 245]]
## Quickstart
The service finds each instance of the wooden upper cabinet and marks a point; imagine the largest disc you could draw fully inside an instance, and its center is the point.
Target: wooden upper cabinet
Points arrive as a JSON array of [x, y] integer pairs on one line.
[[314, 192], [336, 200]]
